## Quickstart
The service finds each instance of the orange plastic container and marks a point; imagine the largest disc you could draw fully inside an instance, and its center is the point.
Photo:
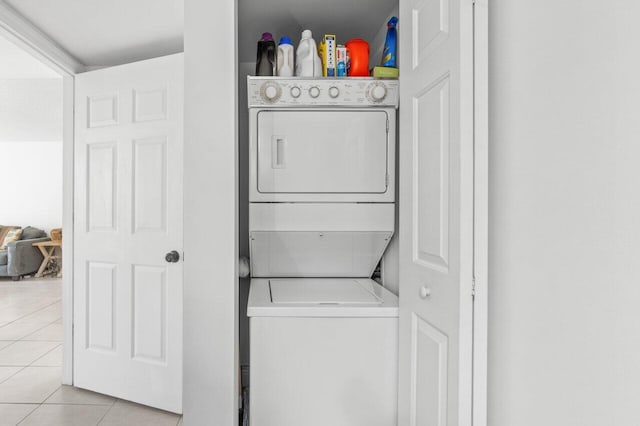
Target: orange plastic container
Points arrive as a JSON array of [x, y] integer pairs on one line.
[[359, 57]]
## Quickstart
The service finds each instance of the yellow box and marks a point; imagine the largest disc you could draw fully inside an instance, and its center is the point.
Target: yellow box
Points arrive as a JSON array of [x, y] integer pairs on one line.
[[327, 51]]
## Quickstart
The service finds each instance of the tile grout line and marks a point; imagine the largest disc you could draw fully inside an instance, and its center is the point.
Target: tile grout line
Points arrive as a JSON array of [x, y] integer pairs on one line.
[[45, 354], [34, 312], [39, 405], [84, 404], [28, 414], [51, 394], [21, 339], [107, 412], [49, 324], [10, 344], [22, 367], [31, 364], [19, 403]]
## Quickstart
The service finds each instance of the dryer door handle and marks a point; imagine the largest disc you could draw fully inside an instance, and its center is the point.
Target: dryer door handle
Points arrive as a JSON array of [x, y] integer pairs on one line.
[[278, 157]]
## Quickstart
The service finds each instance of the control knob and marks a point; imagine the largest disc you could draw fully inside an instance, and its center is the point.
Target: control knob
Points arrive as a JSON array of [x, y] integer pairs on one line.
[[270, 91], [314, 92], [378, 92], [295, 92], [334, 92]]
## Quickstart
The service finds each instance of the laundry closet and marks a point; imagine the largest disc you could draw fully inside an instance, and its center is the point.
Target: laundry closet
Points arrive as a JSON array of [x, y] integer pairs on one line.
[[317, 184], [333, 214]]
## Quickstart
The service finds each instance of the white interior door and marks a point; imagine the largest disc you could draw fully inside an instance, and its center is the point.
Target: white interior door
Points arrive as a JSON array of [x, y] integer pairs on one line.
[[436, 212], [128, 216]]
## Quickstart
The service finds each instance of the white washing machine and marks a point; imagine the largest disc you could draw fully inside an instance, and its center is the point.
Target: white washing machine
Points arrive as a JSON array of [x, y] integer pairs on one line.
[[323, 334]]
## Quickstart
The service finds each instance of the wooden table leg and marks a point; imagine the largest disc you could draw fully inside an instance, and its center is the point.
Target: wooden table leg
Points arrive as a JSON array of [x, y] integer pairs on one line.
[[45, 261], [60, 263]]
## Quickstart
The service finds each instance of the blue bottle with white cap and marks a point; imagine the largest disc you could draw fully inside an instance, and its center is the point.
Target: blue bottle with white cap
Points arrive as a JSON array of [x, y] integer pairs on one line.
[[284, 62]]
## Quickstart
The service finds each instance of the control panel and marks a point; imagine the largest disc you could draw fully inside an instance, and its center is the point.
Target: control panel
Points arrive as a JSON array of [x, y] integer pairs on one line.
[[287, 92]]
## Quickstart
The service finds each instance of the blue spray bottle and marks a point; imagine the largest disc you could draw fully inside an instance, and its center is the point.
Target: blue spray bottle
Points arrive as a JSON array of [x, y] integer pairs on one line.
[[390, 44]]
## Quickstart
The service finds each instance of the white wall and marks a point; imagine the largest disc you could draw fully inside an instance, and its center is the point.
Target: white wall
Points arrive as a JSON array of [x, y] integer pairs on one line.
[[31, 110], [211, 215], [31, 152], [564, 273], [31, 184]]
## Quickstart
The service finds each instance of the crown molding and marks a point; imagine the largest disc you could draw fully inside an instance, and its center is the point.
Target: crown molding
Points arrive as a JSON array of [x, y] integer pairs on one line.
[[21, 31]]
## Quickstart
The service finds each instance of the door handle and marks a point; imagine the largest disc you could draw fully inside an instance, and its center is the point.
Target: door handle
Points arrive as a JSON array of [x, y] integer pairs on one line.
[[425, 292], [172, 257], [278, 160]]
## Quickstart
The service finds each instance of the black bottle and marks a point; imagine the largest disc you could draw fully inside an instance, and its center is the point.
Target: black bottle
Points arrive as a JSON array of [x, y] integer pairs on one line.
[[266, 60]]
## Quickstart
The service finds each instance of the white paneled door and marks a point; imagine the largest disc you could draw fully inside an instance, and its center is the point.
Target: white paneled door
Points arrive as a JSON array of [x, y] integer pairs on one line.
[[128, 232], [436, 213]]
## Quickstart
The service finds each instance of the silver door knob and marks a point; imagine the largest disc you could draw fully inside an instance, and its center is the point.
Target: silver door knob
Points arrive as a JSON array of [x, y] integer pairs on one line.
[[425, 292], [172, 257]]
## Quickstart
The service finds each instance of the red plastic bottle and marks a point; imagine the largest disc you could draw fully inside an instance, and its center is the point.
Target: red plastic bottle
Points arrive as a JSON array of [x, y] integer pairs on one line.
[[359, 54]]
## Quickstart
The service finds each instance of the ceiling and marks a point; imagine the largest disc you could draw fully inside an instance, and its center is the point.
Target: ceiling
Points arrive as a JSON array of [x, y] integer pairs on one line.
[[16, 63], [111, 32], [345, 19], [108, 32]]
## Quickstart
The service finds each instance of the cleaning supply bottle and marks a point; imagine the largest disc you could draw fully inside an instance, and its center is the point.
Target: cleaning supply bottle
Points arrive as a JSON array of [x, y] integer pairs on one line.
[[342, 61], [359, 57], [266, 58], [285, 58], [390, 44], [308, 62]]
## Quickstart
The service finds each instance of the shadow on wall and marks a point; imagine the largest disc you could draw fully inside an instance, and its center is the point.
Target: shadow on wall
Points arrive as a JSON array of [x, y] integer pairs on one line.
[[244, 69]]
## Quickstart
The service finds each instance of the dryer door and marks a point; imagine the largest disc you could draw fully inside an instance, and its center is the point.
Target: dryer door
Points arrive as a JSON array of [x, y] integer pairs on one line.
[[306, 154]]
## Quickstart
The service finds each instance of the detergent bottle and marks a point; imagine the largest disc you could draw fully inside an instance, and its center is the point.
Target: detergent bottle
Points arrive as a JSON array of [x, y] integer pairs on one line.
[[285, 58], [308, 62], [266, 58], [359, 57]]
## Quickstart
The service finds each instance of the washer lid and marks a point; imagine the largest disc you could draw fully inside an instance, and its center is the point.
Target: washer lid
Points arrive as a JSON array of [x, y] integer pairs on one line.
[[320, 298], [323, 292]]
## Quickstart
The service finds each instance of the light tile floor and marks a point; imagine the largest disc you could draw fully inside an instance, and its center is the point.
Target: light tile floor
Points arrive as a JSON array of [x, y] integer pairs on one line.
[[30, 367]]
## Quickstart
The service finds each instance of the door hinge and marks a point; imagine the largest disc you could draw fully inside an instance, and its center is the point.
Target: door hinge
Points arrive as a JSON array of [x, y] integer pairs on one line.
[[386, 180], [387, 125], [473, 289]]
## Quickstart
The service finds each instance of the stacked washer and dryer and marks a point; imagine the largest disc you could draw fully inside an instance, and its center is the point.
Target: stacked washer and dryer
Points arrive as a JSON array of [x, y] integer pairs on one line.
[[323, 334]]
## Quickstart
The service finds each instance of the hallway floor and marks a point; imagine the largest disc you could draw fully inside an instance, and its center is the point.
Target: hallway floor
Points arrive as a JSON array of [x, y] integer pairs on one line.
[[30, 367]]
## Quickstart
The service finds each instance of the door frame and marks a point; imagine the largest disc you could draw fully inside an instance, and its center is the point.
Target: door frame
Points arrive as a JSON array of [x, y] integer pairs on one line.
[[481, 210], [24, 34]]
